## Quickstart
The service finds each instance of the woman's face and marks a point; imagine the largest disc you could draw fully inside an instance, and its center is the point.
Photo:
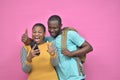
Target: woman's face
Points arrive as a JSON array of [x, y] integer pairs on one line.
[[38, 34]]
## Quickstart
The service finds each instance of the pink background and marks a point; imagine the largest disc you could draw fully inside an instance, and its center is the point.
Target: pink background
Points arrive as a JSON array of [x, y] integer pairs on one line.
[[98, 21]]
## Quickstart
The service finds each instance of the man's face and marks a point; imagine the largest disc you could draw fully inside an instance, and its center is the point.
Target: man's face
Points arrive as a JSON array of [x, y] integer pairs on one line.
[[54, 28]]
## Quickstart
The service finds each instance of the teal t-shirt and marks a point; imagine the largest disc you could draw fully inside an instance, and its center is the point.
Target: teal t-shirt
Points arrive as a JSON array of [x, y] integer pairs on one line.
[[67, 67], [49, 38]]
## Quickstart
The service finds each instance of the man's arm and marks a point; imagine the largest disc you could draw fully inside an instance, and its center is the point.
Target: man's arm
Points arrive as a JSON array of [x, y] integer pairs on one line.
[[83, 46], [81, 51]]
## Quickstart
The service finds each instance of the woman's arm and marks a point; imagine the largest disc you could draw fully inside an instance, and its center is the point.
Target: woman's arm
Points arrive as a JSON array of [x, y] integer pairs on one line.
[[54, 59], [26, 66], [52, 50]]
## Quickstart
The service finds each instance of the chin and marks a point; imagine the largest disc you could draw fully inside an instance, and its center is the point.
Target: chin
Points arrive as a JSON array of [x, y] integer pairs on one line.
[[53, 36], [37, 42]]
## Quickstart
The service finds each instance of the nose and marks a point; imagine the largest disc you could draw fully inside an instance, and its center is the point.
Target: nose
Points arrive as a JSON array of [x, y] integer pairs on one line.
[[36, 34], [52, 30]]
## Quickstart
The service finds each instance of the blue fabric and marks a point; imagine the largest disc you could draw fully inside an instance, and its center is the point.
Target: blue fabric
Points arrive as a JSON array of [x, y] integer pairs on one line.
[[67, 68], [49, 38]]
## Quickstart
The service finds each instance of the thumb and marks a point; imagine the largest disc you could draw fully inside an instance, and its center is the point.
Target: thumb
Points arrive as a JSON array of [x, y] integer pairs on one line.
[[48, 44], [34, 47], [26, 31]]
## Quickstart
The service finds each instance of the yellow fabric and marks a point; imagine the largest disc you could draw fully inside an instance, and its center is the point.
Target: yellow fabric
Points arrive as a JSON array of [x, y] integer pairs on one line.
[[28, 63], [42, 69]]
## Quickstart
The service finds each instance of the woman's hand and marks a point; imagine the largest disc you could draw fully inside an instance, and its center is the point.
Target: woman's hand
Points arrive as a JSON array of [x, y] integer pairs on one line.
[[32, 53], [25, 36], [51, 49]]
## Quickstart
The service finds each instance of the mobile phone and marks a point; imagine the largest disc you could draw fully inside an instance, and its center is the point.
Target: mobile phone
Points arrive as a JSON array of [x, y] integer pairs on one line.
[[36, 47]]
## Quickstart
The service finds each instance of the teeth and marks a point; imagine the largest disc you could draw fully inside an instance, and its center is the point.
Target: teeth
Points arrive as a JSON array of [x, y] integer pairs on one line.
[[37, 38]]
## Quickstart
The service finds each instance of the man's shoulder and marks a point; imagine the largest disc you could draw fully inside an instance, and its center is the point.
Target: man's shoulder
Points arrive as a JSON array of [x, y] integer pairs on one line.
[[48, 38], [71, 33]]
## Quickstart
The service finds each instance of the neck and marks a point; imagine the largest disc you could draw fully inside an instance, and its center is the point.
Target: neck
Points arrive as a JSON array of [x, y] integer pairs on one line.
[[41, 43]]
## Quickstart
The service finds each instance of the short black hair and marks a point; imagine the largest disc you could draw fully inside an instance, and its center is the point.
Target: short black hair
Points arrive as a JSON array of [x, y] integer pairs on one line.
[[55, 17], [39, 24]]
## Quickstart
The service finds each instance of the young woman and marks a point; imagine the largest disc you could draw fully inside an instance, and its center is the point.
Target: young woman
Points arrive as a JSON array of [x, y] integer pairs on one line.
[[39, 59]]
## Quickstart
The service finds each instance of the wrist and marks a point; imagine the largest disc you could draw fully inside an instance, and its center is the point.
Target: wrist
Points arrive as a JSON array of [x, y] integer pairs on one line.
[[72, 54], [53, 55], [29, 59], [27, 42], [27, 62]]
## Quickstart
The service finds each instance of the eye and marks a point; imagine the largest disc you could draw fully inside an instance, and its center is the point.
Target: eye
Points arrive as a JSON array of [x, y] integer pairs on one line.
[[56, 28], [34, 31], [49, 27], [39, 31]]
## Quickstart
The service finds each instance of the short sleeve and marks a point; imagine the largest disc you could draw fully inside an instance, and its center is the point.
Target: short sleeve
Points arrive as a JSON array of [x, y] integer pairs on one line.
[[49, 38], [76, 38]]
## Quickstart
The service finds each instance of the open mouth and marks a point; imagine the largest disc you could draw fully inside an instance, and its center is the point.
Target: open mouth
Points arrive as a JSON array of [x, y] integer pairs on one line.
[[36, 39]]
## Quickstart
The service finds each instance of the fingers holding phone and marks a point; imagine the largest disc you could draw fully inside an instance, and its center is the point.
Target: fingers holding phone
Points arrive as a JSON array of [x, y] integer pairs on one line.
[[34, 47], [32, 53]]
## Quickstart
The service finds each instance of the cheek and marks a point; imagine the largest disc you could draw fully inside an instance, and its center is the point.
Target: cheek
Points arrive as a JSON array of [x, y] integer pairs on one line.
[[48, 30], [42, 35], [32, 35], [57, 30]]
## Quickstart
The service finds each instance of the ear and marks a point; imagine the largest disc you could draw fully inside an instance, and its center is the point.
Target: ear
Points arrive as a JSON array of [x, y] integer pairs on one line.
[[61, 25], [44, 33]]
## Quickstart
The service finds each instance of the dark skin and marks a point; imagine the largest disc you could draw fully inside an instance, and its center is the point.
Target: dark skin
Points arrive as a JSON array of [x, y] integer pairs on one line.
[[25, 39], [37, 36], [54, 28], [37, 32], [83, 50]]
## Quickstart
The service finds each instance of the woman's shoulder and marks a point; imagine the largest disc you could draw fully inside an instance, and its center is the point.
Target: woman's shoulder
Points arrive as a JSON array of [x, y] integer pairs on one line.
[[26, 47]]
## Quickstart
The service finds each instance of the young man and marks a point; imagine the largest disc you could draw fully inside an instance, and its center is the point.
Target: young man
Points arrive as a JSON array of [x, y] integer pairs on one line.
[[76, 46]]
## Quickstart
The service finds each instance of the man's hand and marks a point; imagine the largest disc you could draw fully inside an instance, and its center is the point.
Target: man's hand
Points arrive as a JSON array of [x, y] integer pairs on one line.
[[66, 52]]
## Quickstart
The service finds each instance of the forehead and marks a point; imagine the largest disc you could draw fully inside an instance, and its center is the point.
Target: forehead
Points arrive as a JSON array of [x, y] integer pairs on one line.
[[53, 22], [37, 28]]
